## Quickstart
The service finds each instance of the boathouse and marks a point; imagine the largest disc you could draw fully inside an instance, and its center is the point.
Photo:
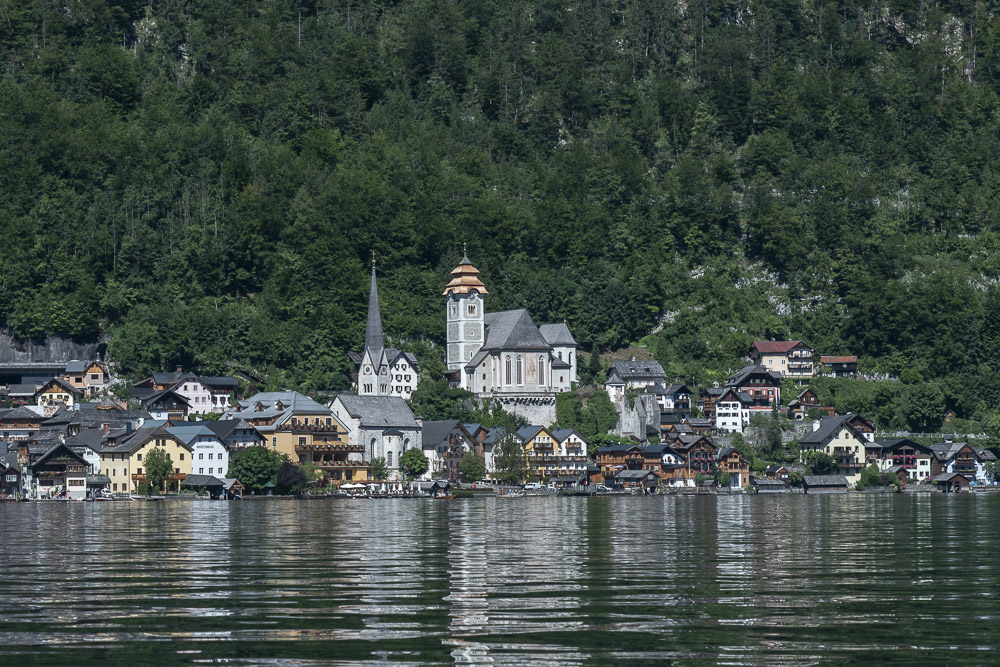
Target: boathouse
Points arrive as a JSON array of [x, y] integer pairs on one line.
[[824, 483]]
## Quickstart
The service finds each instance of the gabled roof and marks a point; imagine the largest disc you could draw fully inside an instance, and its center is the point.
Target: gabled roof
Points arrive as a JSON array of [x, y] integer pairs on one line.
[[154, 398], [434, 433], [891, 444], [187, 433], [77, 367], [776, 346], [61, 384], [21, 414], [557, 334], [220, 382], [55, 448], [636, 369], [825, 480], [172, 378], [378, 411], [747, 371], [827, 427], [560, 435], [528, 432], [512, 330], [223, 427], [202, 480], [292, 401], [677, 389]]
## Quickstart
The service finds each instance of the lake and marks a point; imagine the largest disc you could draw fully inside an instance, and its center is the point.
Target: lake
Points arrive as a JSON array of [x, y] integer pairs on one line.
[[544, 580]]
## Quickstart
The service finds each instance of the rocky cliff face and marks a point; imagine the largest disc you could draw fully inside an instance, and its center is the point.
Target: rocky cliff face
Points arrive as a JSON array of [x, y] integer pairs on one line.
[[53, 349]]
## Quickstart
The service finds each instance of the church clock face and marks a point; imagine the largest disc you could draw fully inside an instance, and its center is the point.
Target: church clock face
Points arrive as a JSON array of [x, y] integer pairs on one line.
[[368, 369], [473, 296]]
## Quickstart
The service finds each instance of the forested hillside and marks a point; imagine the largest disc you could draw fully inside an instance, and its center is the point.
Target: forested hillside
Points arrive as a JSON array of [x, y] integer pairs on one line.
[[205, 181]]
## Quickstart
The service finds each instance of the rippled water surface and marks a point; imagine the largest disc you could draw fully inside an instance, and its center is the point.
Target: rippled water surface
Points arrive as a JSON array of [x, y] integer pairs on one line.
[[797, 579]]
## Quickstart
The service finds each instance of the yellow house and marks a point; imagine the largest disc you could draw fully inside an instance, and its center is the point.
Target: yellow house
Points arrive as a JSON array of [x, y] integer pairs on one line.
[[838, 438], [288, 420], [123, 462], [541, 451], [56, 391]]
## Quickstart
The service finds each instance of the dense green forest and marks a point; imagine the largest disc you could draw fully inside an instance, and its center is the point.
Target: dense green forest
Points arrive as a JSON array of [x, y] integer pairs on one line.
[[204, 181]]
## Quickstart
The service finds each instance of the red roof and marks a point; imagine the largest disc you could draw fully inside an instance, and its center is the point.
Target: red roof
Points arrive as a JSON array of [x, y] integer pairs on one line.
[[776, 346], [838, 360]]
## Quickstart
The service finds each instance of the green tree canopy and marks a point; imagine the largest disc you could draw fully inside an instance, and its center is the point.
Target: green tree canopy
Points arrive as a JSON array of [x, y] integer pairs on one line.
[[472, 467], [413, 463], [255, 466], [158, 467]]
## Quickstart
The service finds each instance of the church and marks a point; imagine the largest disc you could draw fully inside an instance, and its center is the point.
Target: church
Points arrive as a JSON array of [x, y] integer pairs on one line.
[[505, 355], [381, 370]]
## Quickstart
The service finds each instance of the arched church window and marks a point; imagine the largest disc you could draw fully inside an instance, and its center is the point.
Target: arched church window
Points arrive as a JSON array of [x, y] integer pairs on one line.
[[507, 369], [541, 370], [570, 358], [388, 459], [520, 370]]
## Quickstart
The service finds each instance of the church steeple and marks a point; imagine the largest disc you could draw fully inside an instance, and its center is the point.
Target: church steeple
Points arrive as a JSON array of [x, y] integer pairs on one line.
[[374, 341]]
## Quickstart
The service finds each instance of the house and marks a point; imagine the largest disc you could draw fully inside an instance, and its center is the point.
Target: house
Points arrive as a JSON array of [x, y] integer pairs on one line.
[[707, 399], [818, 484], [444, 444], [763, 387], [731, 461], [699, 425], [902, 453], [208, 455], [697, 453], [616, 458], [89, 377], [664, 462], [807, 400], [21, 394], [272, 414], [59, 470], [642, 479], [840, 367], [632, 375], [235, 434], [209, 484], [951, 482], [89, 443], [504, 357], [21, 423], [541, 451], [962, 458], [10, 475], [122, 462], [383, 426], [778, 472], [166, 405], [838, 437], [732, 411], [222, 391], [674, 399], [571, 452], [381, 370], [787, 358], [768, 485], [58, 392]]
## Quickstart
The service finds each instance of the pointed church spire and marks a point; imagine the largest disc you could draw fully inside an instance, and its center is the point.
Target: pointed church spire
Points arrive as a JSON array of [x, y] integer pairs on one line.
[[373, 332]]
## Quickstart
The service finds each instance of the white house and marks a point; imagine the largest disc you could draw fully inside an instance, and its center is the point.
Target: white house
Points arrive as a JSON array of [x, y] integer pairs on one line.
[[208, 455], [732, 411]]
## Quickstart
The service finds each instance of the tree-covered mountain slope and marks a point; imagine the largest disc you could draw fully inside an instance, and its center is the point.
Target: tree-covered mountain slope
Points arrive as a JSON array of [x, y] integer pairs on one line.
[[205, 180]]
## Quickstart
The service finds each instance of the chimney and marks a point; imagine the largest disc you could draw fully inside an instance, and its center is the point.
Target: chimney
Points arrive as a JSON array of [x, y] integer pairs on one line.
[[632, 358], [180, 368]]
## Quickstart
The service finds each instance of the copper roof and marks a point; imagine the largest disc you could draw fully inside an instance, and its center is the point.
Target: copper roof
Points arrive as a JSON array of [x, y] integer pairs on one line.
[[465, 279]]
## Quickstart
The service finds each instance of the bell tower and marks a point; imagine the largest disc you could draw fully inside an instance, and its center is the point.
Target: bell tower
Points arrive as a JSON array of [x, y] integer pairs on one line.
[[465, 313]]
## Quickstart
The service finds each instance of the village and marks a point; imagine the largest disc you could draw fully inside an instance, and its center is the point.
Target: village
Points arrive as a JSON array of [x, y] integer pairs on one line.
[[65, 435]]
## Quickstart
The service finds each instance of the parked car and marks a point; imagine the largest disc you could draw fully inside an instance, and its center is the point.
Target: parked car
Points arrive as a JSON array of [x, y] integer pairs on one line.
[[533, 486], [600, 488]]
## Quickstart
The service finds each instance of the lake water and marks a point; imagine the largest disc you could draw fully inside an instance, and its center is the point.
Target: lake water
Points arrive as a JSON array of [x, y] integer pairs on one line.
[[596, 581]]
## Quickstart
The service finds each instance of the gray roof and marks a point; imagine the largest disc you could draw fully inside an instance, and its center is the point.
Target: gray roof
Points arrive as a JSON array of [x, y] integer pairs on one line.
[[223, 427], [557, 334], [633, 474], [293, 402], [637, 369], [827, 427], [476, 360], [512, 330], [77, 366], [560, 434], [202, 480], [824, 480], [528, 432], [434, 433], [188, 432], [764, 481], [747, 371], [22, 413], [946, 476], [379, 411], [171, 378], [88, 437], [26, 389], [220, 382], [374, 340]]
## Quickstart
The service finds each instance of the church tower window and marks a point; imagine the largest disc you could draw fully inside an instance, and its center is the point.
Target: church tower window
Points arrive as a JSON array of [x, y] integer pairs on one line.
[[388, 459]]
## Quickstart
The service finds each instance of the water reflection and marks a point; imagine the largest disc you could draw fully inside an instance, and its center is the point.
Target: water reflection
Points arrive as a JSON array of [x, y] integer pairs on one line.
[[546, 580]]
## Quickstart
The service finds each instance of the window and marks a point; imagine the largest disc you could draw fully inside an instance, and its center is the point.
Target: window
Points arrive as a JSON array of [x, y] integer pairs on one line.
[[274, 442], [139, 457], [138, 471], [201, 456], [541, 370], [472, 309], [520, 370], [182, 458], [507, 369], [388, 458], [302, 441], [201, 471], [454, 311]]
